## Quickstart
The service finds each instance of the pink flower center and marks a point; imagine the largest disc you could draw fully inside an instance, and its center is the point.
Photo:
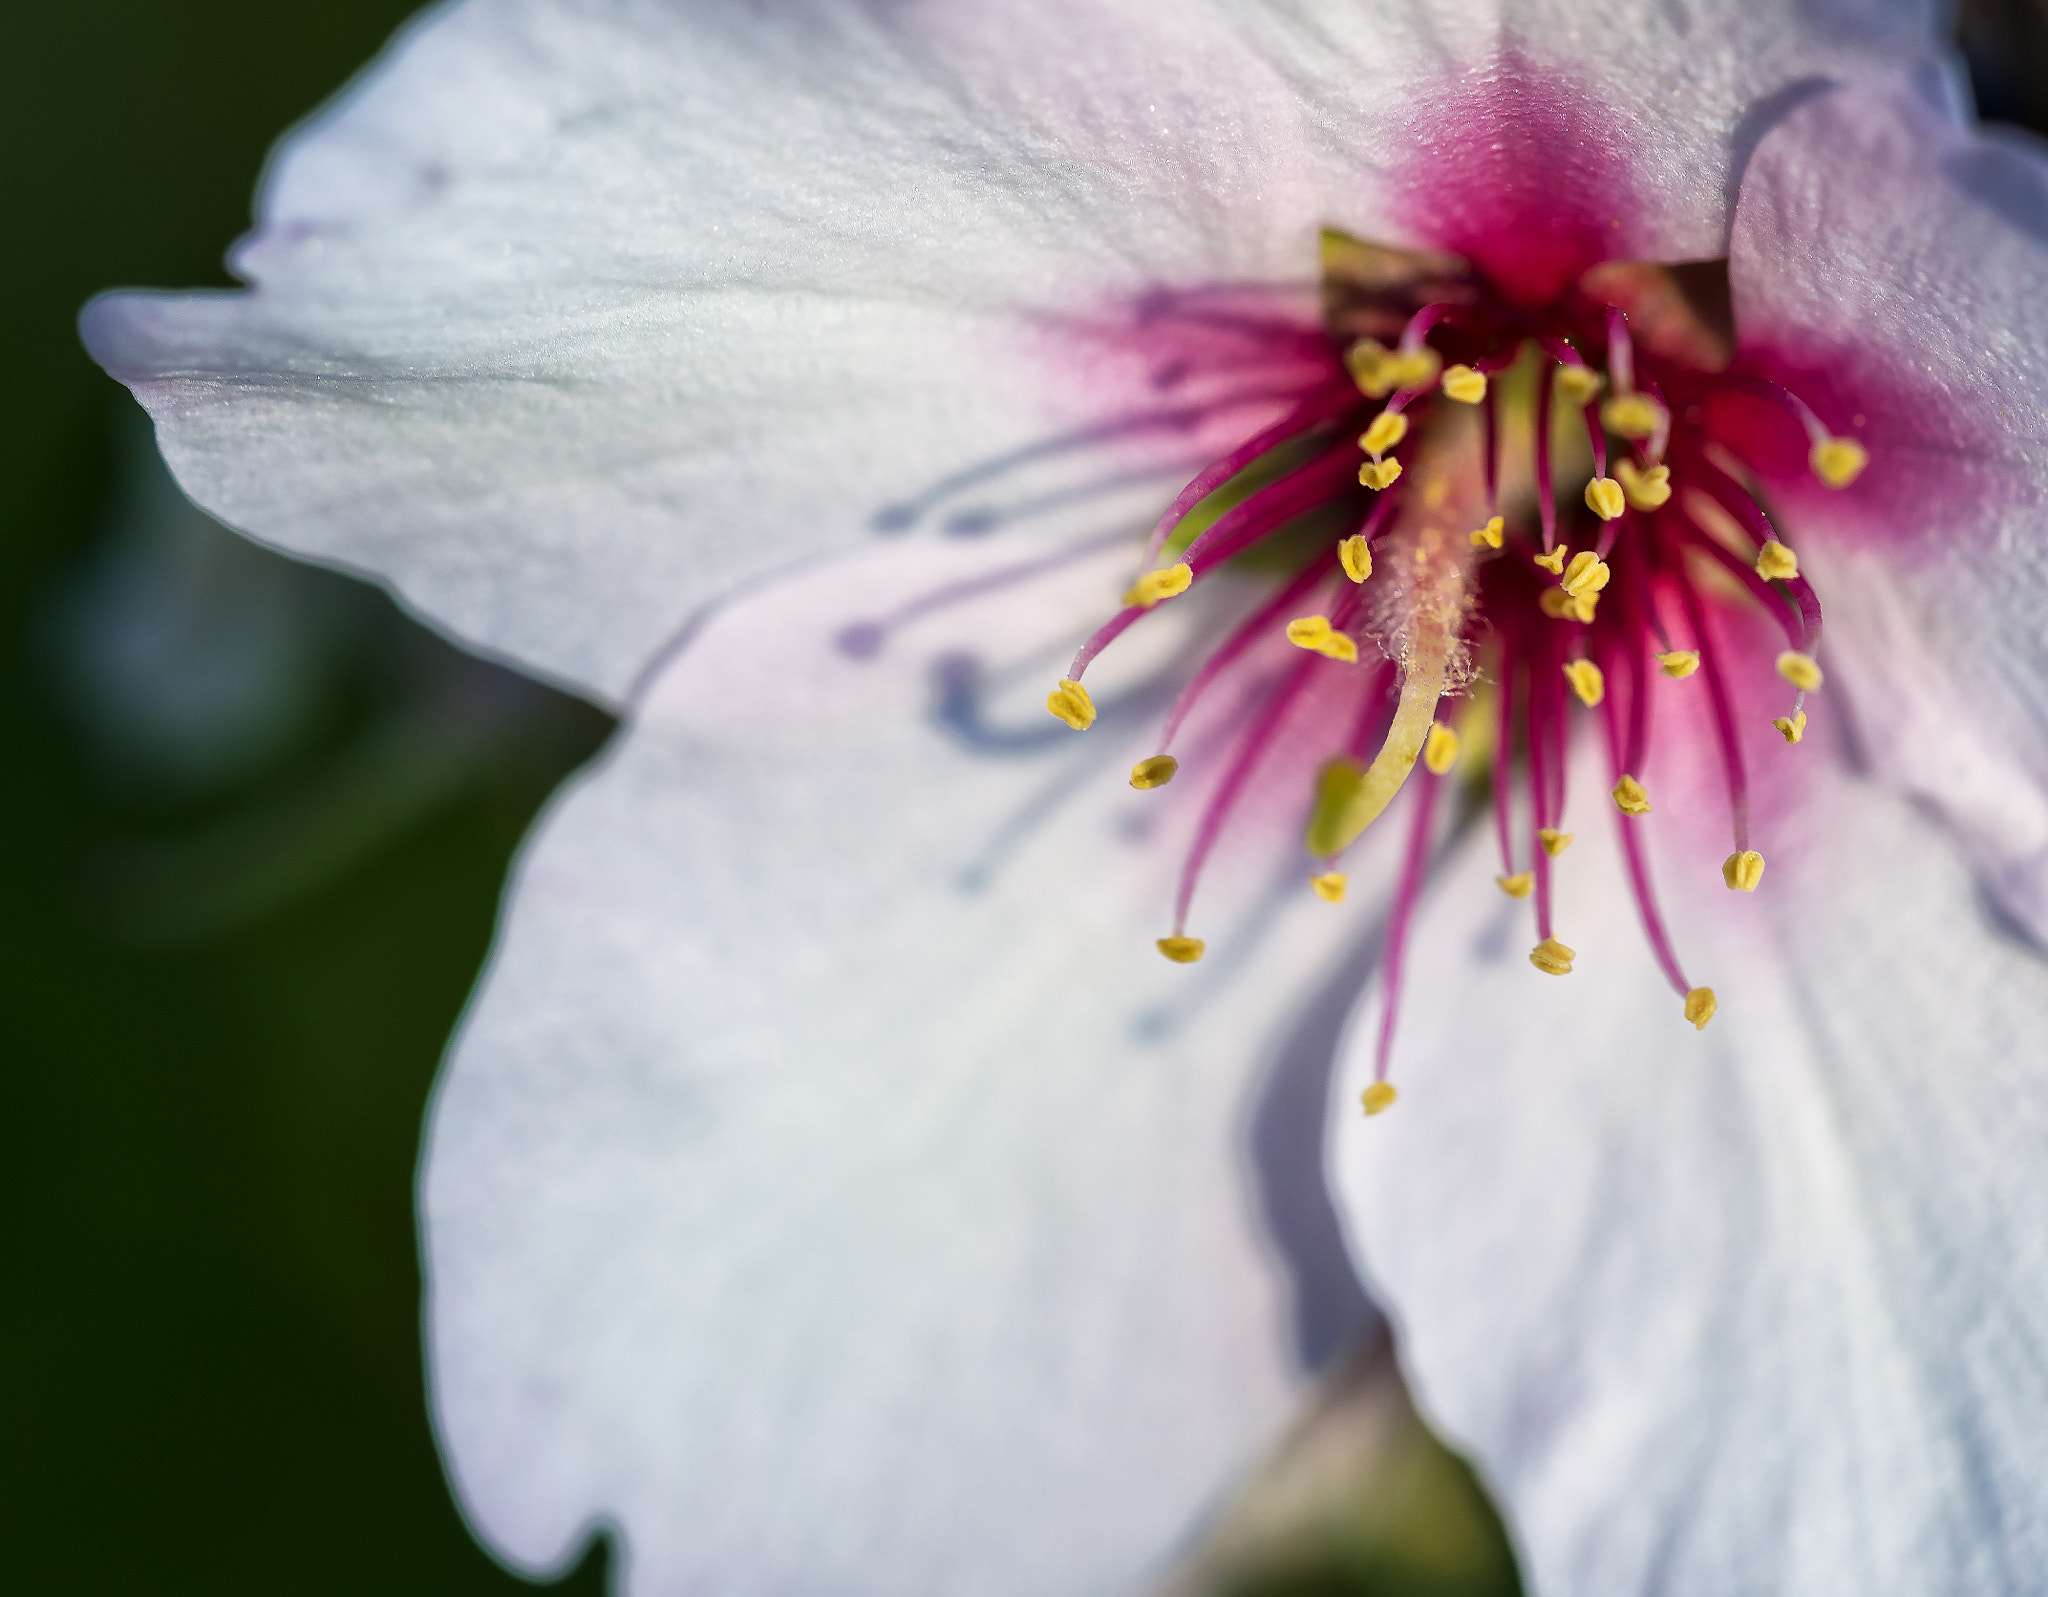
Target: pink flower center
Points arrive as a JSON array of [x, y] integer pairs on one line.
[[1517, 515]]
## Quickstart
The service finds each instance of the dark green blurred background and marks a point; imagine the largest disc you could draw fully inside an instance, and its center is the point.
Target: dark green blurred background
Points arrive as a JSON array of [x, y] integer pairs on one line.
[[255, 825]]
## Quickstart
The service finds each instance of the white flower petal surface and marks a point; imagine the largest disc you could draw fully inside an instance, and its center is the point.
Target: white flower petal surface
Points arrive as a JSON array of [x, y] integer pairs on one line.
[[573, 313], [1901, 258], [832, 1188], [1758, 1309]]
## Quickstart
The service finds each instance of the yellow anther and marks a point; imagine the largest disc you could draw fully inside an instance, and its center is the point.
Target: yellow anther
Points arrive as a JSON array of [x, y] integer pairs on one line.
[[1743, 871], [1554, 561], [1490, 535], [1181, 950], [1699, 1007], [1579, 606], [1315, 632], [1799, 670], [1440, 749], [1330, 886], [1554, 842], [1791, 727], [1070, 702], [1578, 383], [1587, 573], [1586, 681], [1388, 428], [1555, 603], [1647, 487], [1774, 562], [1632, 415], [1605, 498], [1552, 957], [1631, 797], [1464, 384], [1164, 583], [1378, 1096], [1154, 772], [1838, 461], [1379, 473], [1378, 371], [1519, 885], [1355, 556], [1679, 663]]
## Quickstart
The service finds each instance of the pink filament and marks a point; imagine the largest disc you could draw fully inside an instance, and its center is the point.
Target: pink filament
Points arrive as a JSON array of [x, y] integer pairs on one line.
[[1413, 870], [1639, 870], [1255, 626], [1724, 712], [1503, 763], [1546, 503]]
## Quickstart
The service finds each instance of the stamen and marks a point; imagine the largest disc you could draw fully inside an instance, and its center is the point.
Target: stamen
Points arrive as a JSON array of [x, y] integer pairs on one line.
[[1631, 797], [1251, 630], [1553, 561], [1519, 885], [1440, 749], [1552, 957], [1378, 474], [1732, 766], [1464, 384], [1700, 1007], [1316, 634], [1413, 869], [1799, 670], [1354, 554], [1605, 498], [1578, 383], [1621, 355], [1776, 563], [1154, 586], [1181, 950], [1388, 428], [1379, 371], [1679, 664], [1587, 573], [1633, 416], [1155, 771], [1378, 1096], [1743, 870], [1546, 501], [1791, 727], [1071, 704], [1646, 488], [1586, 680], [1838, 461], [1330, 886], [1554, 842], [1491, 535]]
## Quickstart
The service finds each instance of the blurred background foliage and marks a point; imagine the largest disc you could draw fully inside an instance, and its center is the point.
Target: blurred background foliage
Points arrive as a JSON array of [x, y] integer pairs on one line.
[[257, 824]]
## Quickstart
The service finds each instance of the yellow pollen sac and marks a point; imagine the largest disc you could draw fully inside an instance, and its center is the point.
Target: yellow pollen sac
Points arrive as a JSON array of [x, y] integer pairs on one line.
[[1578, 384], [1555, 603], [1315, 632], [1586, 681], [1554, 842], [1154, 772], [1464, 384], [1700, 1007], [1377, 474], [1838, 461], [1164, 583], [1774, 562], [1378, 371], [1587, 573], [1182, 950], [1552, 957], [1799, 670], [1070, 702], [1440, 749], [1519, 885], [1605, 498], [1355, 557], [1679, 663], [1330, 886], [1631, 797], [1388, 428], [1743, 871], [1647, 488], [1634, 416], [1378, 1096], [1791, 727], [1552, 562], [1579, 606], [1490, 535]]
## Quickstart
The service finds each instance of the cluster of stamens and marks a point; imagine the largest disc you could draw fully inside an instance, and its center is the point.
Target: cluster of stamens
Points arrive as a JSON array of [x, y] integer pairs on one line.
[[1466, 592]]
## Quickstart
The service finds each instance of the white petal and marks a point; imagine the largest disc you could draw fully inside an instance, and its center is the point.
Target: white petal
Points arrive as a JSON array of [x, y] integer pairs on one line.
[[568, 316], [1894, 262], [832, 1186], [1615, 125], [1757, 1309]]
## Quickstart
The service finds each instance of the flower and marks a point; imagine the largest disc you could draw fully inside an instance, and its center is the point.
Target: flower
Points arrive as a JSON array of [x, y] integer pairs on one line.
[[829, 1186]]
